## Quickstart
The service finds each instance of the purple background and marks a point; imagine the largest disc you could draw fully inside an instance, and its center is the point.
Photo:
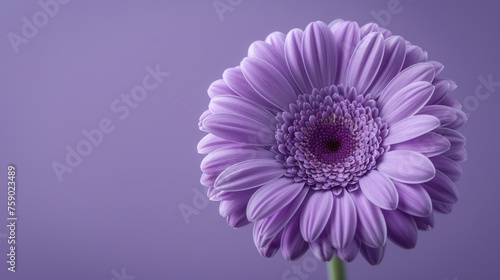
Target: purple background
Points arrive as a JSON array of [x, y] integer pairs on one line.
[[120, 207]]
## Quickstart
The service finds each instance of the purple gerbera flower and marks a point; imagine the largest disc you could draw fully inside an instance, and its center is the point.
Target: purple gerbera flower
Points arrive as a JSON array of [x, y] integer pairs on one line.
[[334, 138]]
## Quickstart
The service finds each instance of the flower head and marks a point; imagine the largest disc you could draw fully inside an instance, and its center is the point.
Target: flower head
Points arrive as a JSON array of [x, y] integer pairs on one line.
[[334, 138]]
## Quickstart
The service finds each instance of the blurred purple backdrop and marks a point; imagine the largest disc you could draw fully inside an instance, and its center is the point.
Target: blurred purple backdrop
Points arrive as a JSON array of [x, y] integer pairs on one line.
[[116, 215]]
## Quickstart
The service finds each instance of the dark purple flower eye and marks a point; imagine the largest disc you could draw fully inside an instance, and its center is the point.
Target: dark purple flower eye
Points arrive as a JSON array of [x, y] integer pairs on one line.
[[334, 138]]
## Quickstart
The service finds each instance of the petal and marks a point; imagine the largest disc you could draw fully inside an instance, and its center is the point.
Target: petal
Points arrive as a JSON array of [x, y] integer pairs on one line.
[[413, 199], [406, 166], [262, 50], [429, 144], [379, 190], [461, 119], [343, 221], [215, 162], [293, 245], [268, 82], [414, 55], [449, 167], [459, 156], [406, 102], [443, 208], [238, 219], [365, 62], [270, 250], [210, 143], [293, 57], [315, 214], [410, 128], [277, 40], [371, 224], [443, 87], [394, 55], [271, 197], [219, 88], [347, 36], [322, 248], [228, 207], [349, 253], [240, 106], [373, 255], [456, 139], [419, 72], [249, 174], [239, 129], [275, 223], [444, 114], [401, 229], [424, 223], [236, 81], [441, 189], [319, 54]]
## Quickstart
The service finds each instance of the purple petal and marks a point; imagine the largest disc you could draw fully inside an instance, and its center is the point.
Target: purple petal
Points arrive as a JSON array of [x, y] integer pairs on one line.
[[365, 62], [406, 102], [270, 250], [268, 82], [444, 114], [271, 197], [343, 221], [461, 119], [228, 207], [215, 162], [272, 225], [449, 167], [410, 128], [319, 54], [419, 72], [456, 139], [293, 246], [262, 50], [239, 129], [347, 36], [315, 214], [459, 156], [406, 167], [394, 54], [371, 224], [236, 81], [441, 189], [202, 117], [293, 56], [322, 248], [443, 87], [379, 190], [210, 143], [401, 229], [443, 208], [349, 253], [413, 199], [424, 223], [373, 255], [414, 55], [238, 219], [208, 180], [249, 174], [429, 144], [277, 40], [219, 88], [240, 106]]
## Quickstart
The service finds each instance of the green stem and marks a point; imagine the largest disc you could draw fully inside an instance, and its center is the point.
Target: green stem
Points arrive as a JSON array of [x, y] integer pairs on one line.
[[336, 269]]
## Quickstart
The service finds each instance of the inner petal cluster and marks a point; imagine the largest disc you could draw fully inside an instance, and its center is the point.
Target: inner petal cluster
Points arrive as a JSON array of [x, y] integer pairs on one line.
[[330, 138]]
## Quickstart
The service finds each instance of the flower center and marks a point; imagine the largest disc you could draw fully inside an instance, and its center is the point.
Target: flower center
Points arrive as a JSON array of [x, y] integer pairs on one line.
[[330, 138], [330, 142]]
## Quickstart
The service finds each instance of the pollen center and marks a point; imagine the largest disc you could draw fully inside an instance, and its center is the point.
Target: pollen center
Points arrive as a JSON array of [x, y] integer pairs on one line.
[[330, 138], [330, 142]]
